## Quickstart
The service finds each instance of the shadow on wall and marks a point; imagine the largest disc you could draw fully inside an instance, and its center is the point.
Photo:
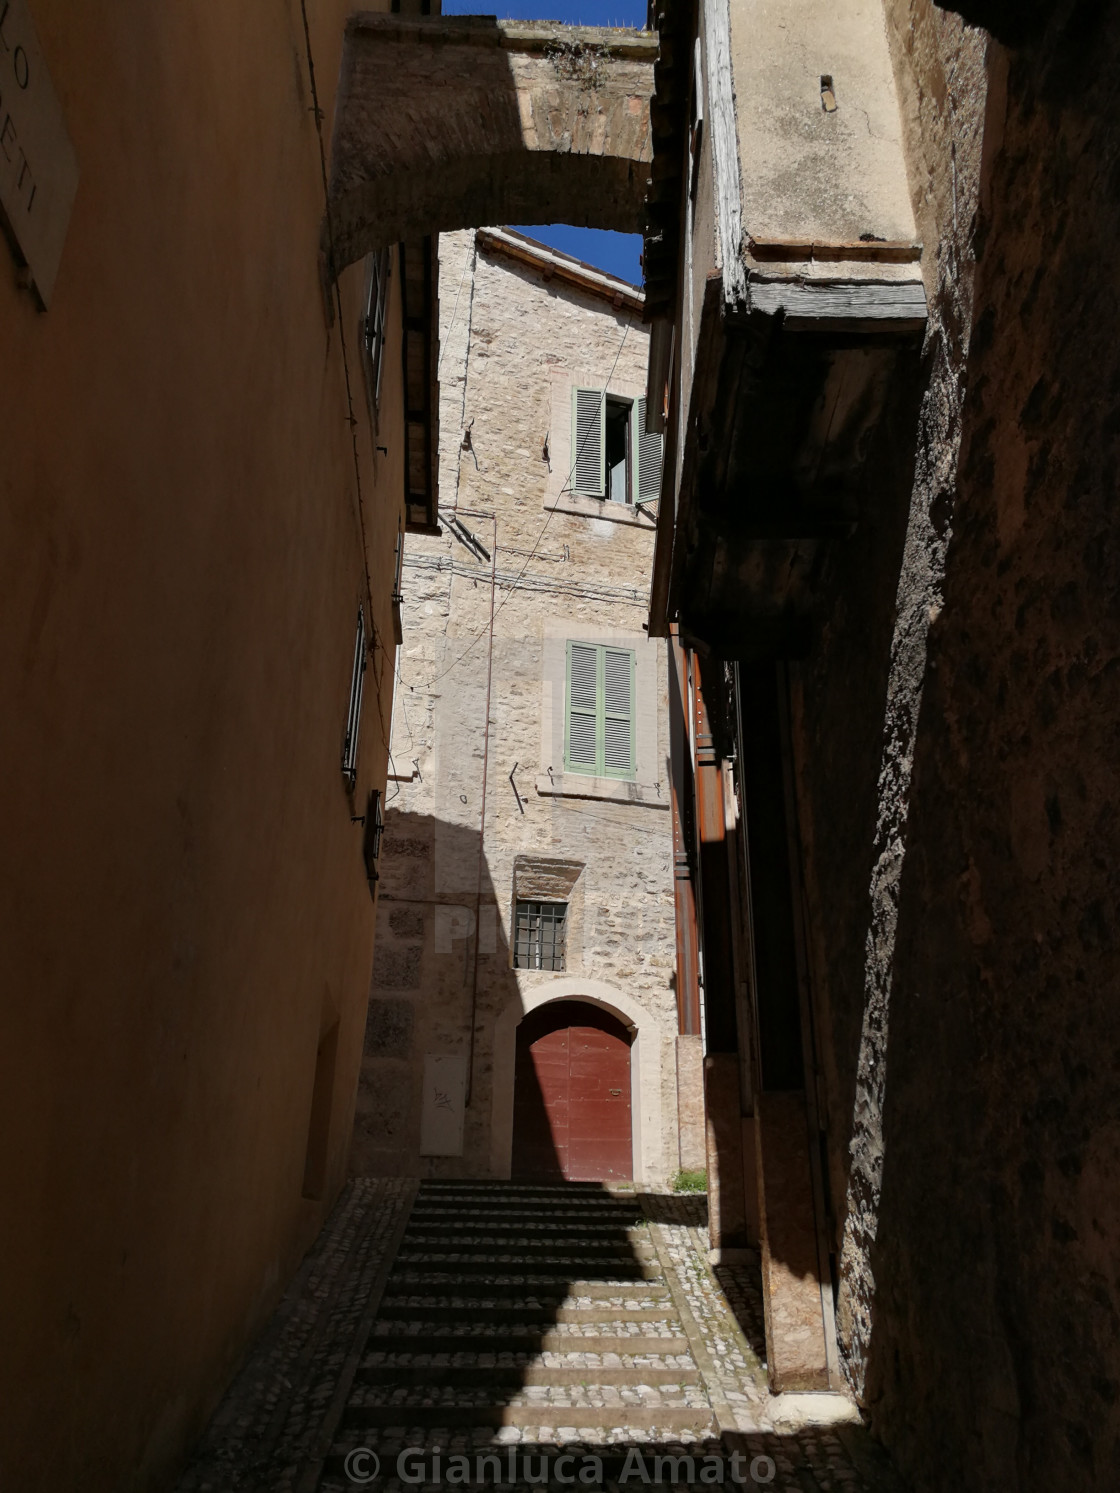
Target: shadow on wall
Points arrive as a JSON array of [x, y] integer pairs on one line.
[[993, 1228], [442, 969], [1006, 962]]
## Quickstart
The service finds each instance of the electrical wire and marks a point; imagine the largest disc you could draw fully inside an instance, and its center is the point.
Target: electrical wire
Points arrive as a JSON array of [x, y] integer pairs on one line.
[[579, 452], [404, 708], [587, 590], [467, 260]]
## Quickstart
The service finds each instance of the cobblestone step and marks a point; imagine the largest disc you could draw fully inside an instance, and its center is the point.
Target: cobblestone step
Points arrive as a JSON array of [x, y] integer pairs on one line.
[[585, 1245], [663, 1418], [610, 1444], [437, 1187], [573, 1267], [618, 1229], [487, 1391], [637, 1291], [553, 1340], [442, 1309], [525, 1374], [280, 1427], [574, 1210], [570, 1355], [513, 1308]]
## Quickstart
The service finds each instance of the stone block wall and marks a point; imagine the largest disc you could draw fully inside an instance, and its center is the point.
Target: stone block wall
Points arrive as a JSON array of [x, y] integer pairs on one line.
[[508, 335], [956, 739]]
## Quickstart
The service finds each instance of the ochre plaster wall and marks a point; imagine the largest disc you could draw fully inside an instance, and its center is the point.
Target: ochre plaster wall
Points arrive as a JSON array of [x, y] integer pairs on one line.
[[956, 738], [185, 907]]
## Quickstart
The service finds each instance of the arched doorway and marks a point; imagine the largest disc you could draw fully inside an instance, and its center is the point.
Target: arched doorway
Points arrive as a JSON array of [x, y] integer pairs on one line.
[[571, 1107]]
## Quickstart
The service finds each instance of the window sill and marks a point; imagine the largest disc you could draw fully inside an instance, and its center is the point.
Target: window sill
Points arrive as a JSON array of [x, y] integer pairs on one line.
[[613, 513], [614, 790]]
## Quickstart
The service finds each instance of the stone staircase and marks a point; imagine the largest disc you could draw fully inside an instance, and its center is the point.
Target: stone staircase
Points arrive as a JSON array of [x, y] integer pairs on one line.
[[522, 1314]]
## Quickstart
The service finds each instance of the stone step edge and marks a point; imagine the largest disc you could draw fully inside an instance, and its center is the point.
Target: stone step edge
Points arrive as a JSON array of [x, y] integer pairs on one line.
[[613, 1454], [539, 1287], [587, 1246], [565, 1270], [606, 1417], [542, 1342], [431, 1185], [599, 1268], [534, 1375], [622, 1218], [402, 1310]]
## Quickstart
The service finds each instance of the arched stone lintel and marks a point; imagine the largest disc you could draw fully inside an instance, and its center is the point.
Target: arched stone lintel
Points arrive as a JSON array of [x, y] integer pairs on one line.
[[645, 1067], [445, 123]]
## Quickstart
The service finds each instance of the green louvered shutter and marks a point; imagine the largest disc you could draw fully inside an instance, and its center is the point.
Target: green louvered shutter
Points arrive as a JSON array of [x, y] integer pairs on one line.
[[618, 713], [588, 442], [648, 476], [599, 711], [581, 733]]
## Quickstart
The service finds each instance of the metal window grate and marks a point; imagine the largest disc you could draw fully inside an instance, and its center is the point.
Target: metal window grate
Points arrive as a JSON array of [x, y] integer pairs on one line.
[[377, 300], [539, 935], [354, 709]]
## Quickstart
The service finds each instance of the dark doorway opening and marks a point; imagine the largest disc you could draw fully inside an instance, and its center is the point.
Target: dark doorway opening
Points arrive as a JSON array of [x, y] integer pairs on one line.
[[618, 450]]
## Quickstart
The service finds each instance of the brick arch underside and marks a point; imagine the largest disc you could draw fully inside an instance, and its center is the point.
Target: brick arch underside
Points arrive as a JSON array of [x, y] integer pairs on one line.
[[443, 125]]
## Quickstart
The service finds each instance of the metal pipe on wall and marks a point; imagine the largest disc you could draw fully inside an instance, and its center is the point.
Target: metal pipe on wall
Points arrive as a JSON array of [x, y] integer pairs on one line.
[[684, 891], [476, 513]]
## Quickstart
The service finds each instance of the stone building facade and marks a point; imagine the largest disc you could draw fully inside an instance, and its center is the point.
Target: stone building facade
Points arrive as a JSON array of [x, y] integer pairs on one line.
[[942, 731], [525, 568]]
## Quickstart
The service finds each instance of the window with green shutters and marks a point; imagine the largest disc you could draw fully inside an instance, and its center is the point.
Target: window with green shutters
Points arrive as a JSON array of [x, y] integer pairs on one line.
[[629, 474], [648, 482], [599, 711], [588, 443]]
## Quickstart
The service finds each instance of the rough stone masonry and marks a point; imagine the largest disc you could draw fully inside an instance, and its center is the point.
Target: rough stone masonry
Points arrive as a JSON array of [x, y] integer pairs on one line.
[[516, 339]]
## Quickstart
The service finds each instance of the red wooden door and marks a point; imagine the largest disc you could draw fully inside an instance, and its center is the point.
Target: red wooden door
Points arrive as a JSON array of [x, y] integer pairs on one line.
[[571, 1113]]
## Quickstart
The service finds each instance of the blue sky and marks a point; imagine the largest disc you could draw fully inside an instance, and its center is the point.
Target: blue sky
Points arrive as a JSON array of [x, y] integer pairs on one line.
[[617, 253]]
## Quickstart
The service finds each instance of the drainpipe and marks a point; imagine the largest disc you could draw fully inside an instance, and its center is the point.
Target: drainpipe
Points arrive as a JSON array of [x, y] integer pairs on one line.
[[475, 513], [684, 893]]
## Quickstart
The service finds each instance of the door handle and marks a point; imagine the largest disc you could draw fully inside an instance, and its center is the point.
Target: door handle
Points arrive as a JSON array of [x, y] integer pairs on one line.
[[616, 1091]]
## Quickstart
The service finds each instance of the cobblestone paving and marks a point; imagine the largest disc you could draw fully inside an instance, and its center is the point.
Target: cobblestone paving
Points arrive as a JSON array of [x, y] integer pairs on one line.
[[815, 1440], [262, 1434], [268, 1432]]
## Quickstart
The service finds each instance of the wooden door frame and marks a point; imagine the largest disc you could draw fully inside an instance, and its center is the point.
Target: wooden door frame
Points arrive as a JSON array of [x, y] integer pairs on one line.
[[645, 1070]]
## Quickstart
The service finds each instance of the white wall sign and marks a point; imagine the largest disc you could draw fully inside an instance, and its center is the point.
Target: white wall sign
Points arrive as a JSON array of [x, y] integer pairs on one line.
[[38, 167], [441, 1113]]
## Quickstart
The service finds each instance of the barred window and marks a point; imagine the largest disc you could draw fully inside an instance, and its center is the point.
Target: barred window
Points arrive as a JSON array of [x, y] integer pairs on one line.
[[539, 935], [373, 323], [354, 709]]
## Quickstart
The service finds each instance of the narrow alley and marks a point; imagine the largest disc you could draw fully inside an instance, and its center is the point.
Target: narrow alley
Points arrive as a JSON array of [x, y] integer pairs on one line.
[[560, 746]]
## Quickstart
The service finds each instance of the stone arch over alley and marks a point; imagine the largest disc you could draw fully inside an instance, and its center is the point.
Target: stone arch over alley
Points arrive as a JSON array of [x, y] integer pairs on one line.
[[444, 123]]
